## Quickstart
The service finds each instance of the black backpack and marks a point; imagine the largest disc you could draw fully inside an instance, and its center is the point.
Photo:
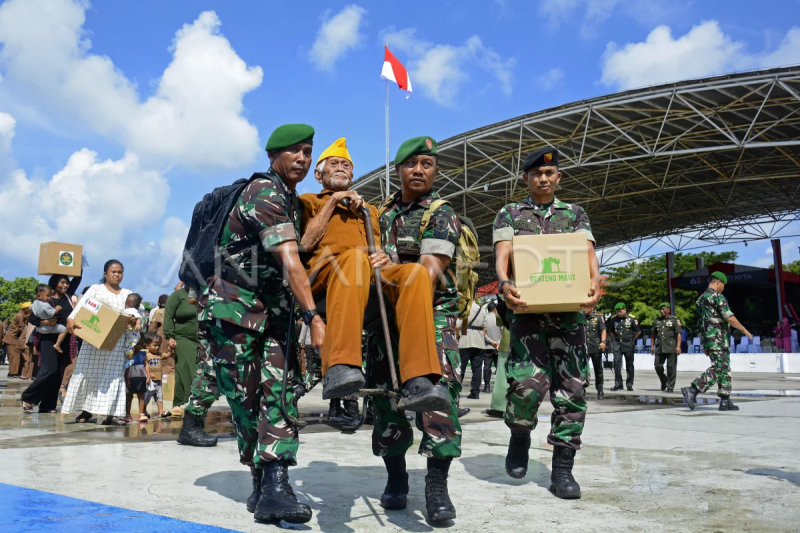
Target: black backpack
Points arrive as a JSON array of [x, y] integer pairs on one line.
[[208, 220]]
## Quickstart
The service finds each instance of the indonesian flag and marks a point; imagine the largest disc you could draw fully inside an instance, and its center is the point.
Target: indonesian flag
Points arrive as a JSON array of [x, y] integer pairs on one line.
[[395, 71]]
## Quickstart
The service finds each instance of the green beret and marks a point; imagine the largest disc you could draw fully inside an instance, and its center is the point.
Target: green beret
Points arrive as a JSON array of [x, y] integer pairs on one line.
[[289, 135], [417, 145], [619, 306], [720, 276], [664, 304]]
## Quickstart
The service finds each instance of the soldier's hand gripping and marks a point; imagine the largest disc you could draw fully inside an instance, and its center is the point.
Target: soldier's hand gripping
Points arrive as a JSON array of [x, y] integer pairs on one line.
[[317, 333], [594, 295], [513, 300]]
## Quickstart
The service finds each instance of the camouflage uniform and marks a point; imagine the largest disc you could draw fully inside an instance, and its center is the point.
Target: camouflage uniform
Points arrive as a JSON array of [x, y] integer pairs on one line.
[[204, 391], [595, 326], [547, 352], [713, 310], [246, 313], [400, 235]]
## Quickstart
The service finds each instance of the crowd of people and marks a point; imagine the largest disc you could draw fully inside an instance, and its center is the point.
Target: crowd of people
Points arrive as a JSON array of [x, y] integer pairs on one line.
[[328, 257]]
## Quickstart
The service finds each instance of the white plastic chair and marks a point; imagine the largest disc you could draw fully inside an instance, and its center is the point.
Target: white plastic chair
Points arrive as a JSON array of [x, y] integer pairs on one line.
[[742, 348], [756, 346]]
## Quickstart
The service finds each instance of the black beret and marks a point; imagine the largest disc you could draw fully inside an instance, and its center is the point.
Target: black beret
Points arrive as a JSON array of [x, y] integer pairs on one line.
[[542, 157]]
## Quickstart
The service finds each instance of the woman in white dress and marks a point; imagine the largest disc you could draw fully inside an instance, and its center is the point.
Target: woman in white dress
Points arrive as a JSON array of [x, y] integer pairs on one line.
[[97, 386]]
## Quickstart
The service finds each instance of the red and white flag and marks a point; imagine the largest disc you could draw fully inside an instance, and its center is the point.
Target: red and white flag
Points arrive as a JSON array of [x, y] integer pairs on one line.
[[395, 71]]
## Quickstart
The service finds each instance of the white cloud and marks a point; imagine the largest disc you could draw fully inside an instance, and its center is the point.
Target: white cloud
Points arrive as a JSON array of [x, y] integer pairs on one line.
[[442, 69], [100, 204], [551, 79], [789, 253], [593, 13], [336, 36], [704, 51], [194, 118]]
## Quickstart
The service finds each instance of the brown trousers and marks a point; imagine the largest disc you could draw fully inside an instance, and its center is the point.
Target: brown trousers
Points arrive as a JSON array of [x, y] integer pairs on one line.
[[14, 359], [28, 363], [408, 288]]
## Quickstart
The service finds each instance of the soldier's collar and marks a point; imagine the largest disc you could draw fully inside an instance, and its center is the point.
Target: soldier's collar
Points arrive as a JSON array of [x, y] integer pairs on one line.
[[424, 200], [272, 172], [558, 204]]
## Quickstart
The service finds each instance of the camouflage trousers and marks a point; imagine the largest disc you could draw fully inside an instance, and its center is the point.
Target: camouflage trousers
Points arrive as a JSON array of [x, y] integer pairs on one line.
[[249, 369], [542, 359], [719, 372], [392, 435], [204, 391]]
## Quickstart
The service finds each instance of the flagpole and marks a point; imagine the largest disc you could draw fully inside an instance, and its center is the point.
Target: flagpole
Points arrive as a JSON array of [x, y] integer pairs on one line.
[[387, 138]]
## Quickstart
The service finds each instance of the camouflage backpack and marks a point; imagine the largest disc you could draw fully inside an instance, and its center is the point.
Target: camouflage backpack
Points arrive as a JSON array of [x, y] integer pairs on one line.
[[467, 257]]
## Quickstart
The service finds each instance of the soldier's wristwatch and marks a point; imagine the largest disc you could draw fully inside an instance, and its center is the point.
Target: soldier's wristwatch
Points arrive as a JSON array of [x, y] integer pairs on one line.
[[500, 285], [308, 316]]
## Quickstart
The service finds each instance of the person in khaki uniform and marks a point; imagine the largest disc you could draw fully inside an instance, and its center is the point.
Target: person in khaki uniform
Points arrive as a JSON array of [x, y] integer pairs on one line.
[[15, 340], [340, 265], [666, 346]]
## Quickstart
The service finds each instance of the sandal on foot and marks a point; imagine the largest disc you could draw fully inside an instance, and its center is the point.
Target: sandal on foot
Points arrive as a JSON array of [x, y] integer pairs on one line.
[[165, 414], [143, 418], [28, 410]]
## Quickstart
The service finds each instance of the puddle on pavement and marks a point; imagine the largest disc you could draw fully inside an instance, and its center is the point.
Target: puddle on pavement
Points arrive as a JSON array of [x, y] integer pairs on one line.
[[648, 400]]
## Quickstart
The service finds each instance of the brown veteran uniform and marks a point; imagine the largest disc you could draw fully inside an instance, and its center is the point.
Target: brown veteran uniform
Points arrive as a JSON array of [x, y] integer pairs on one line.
[[14, 339], [340, 265]]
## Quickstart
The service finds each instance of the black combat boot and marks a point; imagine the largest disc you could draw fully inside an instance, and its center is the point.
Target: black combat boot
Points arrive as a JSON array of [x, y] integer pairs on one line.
[[474, 395], [463, 411], [487, 388], [333, 410], [341, 381], [348, 416], [726, 404], [277, 501], [252, 500], [437, 500], [192, 433], [396, 492], [517, 455], [690, 395], [563, 484], [420, 394], [600, 393]]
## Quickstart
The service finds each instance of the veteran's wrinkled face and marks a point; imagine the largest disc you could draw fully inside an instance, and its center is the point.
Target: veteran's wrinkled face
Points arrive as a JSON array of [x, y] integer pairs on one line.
[[335, 174]]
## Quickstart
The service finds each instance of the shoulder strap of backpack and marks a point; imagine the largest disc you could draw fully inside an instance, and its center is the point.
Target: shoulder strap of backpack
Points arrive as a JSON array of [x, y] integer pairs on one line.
[[293, 206], [426, 216]]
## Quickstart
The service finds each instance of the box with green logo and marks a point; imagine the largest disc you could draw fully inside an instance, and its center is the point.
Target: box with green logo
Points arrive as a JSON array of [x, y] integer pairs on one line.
[[100, 324], [60, 258], [552, 271]]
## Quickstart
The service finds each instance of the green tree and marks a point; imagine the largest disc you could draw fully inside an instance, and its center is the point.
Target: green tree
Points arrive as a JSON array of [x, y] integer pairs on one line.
[[793, 267], [13, 293], [643, 285]]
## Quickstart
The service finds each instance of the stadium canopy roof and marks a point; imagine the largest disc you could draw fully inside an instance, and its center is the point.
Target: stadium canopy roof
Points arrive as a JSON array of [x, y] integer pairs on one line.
[[715, 160]]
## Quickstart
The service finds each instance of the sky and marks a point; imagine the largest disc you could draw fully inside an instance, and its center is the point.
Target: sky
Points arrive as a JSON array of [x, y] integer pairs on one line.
[[116, 117]]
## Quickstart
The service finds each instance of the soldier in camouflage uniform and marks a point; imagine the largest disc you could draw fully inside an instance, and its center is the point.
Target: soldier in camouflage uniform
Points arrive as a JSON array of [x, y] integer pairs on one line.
[[624, 330], [715, 315], [433, 247], [547, 352], [245, 309], [203, 393]]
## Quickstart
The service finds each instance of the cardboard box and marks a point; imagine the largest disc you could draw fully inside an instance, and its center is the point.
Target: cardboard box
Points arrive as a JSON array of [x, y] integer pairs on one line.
[[101, 325], [552, 271], [60, 258], [168, 387]]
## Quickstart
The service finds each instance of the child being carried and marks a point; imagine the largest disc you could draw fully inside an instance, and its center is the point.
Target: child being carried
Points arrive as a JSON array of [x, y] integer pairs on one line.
[[44, 310]]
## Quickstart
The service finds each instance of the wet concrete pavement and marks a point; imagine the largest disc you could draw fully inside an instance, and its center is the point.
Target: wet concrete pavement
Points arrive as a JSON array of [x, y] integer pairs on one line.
[[648, 464]]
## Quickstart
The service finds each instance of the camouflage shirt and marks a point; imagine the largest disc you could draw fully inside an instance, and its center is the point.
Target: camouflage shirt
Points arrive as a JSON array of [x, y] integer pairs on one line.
[[404, 243], [259, 222], [527, 218], [714, 312]]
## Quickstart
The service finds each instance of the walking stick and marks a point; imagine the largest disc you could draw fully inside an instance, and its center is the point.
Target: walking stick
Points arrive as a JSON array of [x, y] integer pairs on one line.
[[379, 286]]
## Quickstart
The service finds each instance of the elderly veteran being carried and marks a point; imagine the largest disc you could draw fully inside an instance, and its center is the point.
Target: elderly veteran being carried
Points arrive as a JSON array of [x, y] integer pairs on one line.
[[341, 268]]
